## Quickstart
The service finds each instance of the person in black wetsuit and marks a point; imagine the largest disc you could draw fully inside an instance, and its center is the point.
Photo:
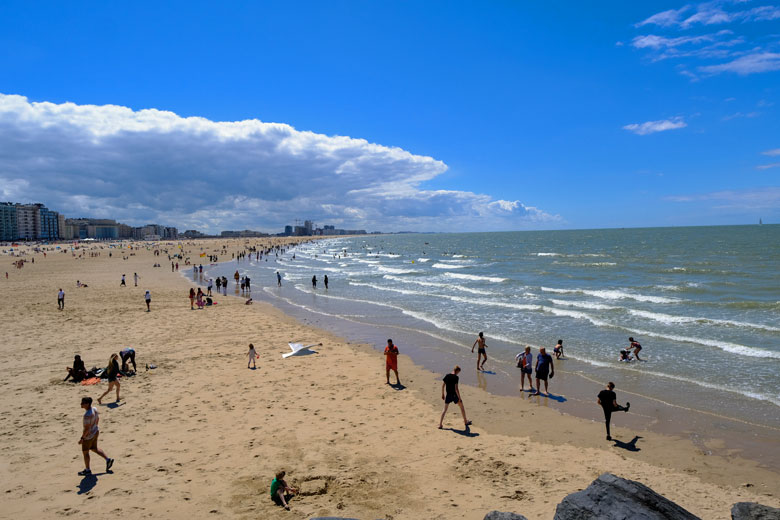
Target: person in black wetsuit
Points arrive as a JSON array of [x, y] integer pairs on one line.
[[77, 372], [608, 401]]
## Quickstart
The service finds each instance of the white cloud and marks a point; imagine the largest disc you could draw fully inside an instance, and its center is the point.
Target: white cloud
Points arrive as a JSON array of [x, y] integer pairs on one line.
[[710, 13], [748, 64], [772, 153], [152, 165], [751, 199], [651, 127], [767, 166]]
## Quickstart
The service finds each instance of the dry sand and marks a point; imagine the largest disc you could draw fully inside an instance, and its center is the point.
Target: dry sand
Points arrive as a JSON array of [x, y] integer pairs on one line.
[[201, 436]]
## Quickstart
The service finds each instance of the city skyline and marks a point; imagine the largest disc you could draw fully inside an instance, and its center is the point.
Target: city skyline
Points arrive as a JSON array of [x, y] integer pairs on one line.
[[471, 118]]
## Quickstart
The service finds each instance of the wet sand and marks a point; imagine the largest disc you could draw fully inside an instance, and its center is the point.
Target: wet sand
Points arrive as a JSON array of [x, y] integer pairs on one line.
[[202, 435]]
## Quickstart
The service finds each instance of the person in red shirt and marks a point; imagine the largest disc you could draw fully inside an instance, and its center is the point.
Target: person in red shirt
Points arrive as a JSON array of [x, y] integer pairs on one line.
[[391, 361]]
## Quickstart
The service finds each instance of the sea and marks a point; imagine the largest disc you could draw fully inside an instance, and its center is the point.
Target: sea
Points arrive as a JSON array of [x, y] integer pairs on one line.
[[704, 303]]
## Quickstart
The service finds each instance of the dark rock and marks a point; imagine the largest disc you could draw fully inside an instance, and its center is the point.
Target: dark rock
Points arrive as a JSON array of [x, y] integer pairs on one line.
[[498, 515], [614, 498], [753, 511]]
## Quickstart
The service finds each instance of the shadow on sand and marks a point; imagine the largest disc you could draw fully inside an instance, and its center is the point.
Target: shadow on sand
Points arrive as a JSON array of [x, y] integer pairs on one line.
[[88, 482], [465, 432], [630, 446]]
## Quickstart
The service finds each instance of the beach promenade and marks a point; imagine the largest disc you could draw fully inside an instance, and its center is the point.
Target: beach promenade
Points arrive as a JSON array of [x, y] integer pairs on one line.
[[202, 436]]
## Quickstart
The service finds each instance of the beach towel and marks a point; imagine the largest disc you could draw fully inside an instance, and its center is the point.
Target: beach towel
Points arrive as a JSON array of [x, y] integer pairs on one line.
[[91, 381]]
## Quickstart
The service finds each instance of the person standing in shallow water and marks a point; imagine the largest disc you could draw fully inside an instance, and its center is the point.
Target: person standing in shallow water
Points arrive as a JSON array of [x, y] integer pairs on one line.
[[450, 393], [314, 281], [637, 347], [544, 369], [325, 281], [608, 401], [480, 341]]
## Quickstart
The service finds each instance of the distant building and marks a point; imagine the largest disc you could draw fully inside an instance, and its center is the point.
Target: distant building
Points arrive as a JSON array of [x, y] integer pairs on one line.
[[288, 230], [9, 230]]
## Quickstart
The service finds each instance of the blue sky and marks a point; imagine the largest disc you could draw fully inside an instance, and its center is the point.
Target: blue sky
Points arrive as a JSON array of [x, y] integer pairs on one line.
[[453, 115]]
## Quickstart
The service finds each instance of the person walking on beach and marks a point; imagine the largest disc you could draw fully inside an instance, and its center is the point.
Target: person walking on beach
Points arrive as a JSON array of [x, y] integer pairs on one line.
[[61, 299], [544, 366], [192, 298], [480, 341], [148, 299], [236, 277], [637, 347], [219, 283], [451, 394], [89, 437], [558, 349], [122, 283], [314, 281], [224, 285], [278, 279], [210, 285], [608, 401], [248, 284], [135, 278], [113, 372], [325, 281], [526, 363], [391, 361], [252, 355]]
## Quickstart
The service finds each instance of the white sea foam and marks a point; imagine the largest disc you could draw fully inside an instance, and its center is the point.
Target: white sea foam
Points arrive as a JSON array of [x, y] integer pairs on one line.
[[423, 259], [585, 305], [734, 348], [440, 265], [549, 254], [613, 294], [601, 264], [669, 320], [391, 289], [435, 284], [475, 277], [393, 270], [458, 256], [388, 255]]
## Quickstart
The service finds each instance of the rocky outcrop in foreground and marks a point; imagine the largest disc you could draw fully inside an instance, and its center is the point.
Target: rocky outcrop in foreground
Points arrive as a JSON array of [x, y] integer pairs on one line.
[[753, 511]]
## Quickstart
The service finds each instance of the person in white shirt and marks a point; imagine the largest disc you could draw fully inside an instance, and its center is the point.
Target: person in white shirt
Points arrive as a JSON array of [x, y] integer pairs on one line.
[[148, 298], [61, 299], [525, 360], [89, 437]]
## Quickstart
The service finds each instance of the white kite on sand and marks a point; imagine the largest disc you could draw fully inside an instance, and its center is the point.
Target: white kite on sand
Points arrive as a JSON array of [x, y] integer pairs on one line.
[[299, 350]]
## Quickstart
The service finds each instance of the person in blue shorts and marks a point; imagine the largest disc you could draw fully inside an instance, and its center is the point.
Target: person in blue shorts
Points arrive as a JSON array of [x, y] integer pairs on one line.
[[544, 369]]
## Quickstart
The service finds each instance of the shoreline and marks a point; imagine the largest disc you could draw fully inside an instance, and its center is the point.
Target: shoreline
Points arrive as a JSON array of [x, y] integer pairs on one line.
[[573, 391], [202, 433]]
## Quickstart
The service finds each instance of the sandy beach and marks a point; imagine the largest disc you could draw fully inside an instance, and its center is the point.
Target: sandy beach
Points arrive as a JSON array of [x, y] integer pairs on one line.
[[202, 436]]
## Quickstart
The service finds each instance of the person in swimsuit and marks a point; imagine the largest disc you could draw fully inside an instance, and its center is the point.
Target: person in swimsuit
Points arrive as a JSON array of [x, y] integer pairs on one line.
[[637, 347], [558, 350], [113, 372], [480, 343], [391, 361], [544, 366], [451, 394], [608, 401]]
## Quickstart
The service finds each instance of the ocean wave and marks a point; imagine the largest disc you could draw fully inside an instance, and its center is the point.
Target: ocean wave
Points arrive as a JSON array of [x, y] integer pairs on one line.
[[613, 294], [586, 305], [475, 277], [669, 320], [393, 270], [458, 256], [435, 284], [734, 348], [549, 254], [439, 265], [391, 289], [387, 255], [423, 259]]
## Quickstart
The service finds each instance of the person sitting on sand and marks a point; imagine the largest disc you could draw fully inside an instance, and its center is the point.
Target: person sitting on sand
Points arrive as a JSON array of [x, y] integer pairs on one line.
[[450, 393], [281, 493], [248, 302], [608, 401], [78, 372], [558, 349], [112, 372]]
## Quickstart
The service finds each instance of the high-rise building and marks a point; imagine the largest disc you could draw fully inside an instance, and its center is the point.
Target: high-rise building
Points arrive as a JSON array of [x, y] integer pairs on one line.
[[26, 221], [8, 227]]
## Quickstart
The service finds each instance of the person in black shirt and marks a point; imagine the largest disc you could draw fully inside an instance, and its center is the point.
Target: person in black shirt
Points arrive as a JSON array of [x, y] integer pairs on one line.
[[112, 372], [608, 401], [78, 372], [451, 394]]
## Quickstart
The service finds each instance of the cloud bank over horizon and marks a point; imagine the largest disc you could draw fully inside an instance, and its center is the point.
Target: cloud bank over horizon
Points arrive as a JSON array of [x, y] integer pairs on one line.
[[156, 166]]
